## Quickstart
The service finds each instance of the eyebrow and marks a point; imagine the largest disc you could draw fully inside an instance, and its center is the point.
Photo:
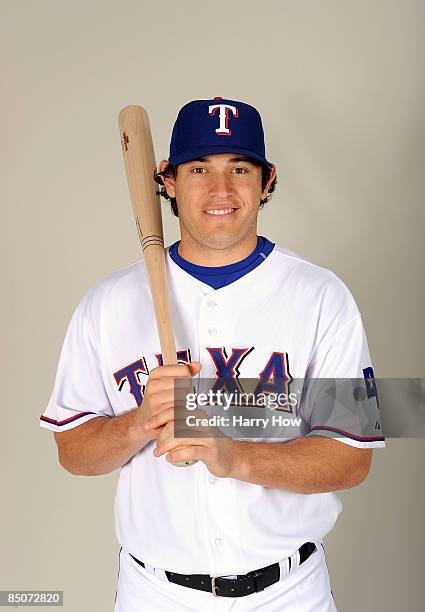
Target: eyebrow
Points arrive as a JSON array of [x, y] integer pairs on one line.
[[232, 160]]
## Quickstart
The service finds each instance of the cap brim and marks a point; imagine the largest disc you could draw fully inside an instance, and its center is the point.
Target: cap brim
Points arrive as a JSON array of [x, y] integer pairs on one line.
[[198, 152]]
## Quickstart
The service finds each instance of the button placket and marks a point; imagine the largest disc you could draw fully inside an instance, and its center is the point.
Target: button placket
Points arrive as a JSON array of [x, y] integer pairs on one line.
[[208, 320]]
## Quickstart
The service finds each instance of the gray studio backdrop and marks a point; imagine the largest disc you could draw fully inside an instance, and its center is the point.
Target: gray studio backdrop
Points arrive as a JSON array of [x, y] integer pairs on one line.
[[341, 89]]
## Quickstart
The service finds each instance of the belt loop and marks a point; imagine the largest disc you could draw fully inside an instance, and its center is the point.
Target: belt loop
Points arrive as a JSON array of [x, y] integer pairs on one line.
[[149, 569], [295, 560], [284, 567], [160, 573]]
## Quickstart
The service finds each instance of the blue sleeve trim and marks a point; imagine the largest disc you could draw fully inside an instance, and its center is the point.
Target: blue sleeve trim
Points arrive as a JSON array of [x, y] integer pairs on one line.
[[65, 421]]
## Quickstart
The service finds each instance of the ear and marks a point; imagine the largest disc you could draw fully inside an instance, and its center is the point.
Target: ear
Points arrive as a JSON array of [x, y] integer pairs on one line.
[[167, 180], [273, 175]]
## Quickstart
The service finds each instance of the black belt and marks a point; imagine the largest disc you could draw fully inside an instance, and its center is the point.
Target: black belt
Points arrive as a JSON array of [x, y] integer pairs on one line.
[[253, 582]]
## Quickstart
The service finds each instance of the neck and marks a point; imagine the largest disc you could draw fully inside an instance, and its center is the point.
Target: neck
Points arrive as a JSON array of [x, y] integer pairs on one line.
[[203, 255]]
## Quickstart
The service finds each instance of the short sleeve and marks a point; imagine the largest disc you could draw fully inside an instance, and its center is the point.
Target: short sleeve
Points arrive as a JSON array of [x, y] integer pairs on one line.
[[79, 393], [340, 396]]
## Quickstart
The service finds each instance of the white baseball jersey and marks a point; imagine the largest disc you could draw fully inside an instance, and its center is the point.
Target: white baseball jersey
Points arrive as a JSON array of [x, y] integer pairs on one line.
[[287, 315]]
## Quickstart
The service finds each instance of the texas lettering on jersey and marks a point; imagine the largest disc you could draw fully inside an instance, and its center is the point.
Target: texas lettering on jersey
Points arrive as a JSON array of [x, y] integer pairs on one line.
[[273, 377]]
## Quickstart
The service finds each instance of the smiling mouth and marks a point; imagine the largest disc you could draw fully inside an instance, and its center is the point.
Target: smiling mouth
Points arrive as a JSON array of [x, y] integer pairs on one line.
[[222, 211]]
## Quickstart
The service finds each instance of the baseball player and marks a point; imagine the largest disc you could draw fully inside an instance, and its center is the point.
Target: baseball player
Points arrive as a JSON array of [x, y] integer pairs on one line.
[[241, 529]]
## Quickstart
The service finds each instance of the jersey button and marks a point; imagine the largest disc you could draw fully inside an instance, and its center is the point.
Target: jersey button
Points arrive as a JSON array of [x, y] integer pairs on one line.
[[213, 480], [211, 303], [212, 331], [219, 541]]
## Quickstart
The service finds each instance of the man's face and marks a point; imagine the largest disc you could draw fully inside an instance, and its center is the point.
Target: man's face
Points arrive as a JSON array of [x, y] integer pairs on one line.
[[218, 198]]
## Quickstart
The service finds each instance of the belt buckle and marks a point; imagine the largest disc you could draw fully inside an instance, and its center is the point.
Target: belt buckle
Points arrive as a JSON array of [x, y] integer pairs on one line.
[[213, 587]]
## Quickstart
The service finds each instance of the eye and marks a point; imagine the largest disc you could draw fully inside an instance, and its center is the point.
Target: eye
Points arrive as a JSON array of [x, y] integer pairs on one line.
[[240, 170], [198, 170]]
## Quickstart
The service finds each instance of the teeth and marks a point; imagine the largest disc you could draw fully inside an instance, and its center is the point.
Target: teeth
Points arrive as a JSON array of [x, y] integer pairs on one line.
[[225, 211]]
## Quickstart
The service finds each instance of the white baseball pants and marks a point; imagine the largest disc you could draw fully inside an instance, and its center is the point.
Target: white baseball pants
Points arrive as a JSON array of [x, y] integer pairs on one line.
[[305, 589]]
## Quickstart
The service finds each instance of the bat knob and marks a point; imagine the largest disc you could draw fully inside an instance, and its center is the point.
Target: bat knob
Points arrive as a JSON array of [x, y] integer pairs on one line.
[[186, 463]]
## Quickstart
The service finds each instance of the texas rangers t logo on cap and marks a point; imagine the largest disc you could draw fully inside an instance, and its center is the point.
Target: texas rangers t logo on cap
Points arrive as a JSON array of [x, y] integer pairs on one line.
[[223, 129]]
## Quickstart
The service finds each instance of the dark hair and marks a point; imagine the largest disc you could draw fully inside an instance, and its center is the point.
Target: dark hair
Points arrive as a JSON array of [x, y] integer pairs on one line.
[[171, 170]]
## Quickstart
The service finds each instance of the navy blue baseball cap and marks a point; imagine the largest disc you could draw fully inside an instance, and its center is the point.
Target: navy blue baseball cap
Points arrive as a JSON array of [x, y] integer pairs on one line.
[[204, 127]]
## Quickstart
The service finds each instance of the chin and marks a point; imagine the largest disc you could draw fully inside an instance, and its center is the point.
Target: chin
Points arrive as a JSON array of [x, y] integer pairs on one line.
[[220, 242]]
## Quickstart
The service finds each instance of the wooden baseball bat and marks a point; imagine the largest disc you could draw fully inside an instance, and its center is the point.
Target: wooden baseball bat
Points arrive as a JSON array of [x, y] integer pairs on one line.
[[139, 157]]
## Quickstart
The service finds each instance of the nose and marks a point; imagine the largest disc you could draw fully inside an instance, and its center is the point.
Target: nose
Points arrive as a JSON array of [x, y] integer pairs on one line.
[[220, 186]]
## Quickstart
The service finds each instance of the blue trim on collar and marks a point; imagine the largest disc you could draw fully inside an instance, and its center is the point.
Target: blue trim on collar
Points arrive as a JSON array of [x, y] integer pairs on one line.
[[219, 276]]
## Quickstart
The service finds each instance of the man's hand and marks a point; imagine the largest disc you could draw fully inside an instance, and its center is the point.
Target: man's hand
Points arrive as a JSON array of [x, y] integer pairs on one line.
[[212, 447], [160, 394]]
